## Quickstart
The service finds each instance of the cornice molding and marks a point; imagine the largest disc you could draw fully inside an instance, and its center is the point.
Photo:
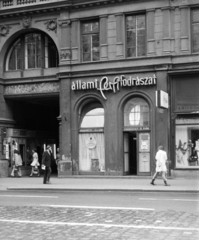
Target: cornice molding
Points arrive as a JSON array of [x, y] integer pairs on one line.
[[53, 7]]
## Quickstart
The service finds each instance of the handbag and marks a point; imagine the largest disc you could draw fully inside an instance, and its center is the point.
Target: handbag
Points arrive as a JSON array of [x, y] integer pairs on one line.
[[43, 167], [193, 158]]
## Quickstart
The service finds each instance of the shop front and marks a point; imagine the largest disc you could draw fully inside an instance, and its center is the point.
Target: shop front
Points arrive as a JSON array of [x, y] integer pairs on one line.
[[185, 116], [113, 122]]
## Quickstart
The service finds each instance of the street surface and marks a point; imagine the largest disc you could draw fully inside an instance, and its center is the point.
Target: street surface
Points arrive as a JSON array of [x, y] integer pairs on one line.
[[98, 215]]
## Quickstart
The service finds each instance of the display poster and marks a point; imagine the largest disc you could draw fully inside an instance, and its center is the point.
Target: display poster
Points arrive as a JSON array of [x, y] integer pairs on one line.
[[7, 150], [144, 142]]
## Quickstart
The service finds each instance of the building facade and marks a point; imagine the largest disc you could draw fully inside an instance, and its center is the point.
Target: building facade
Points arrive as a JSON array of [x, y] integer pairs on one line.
[[106, 81]]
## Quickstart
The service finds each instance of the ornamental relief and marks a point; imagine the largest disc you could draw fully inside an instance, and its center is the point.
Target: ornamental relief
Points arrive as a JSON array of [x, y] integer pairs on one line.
[[26, 21], [4, 30], [32, 88], [65, 55], [51, 25]]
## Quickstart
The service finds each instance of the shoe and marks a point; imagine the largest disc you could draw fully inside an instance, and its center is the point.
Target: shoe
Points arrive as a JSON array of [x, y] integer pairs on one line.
[[152, 183], [166, 184], [38, 175], [31, 175]]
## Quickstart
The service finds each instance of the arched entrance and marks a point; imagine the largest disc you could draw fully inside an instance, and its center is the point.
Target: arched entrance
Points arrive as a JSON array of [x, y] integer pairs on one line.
[[136, 137], [31, 95]]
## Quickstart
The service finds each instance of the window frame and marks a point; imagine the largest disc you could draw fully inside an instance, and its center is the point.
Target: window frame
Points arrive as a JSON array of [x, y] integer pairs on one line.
[[192, 32], [90, 34], [19, 40], [127, 111], [88, 114], [45, 60], [145, 41], [36, 59]]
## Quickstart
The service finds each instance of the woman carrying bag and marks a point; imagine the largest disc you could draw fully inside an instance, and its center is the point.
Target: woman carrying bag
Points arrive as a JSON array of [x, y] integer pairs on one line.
[[17, 163], [35, 164]]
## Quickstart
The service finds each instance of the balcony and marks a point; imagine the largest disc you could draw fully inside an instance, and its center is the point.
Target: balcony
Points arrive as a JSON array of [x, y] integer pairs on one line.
[[5, 4]]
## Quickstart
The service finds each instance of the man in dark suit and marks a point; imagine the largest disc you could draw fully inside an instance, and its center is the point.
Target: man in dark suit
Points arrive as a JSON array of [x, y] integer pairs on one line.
[[47, 158]]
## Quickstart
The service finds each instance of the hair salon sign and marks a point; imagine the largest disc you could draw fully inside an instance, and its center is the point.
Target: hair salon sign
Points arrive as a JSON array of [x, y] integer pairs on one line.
[[104, 84]]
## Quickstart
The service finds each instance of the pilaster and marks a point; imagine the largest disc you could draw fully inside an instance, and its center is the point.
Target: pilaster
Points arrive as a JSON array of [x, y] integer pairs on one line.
[[119, 36], [103, 38], [184, 37], [75, 39], [65, 51], [150, 32]]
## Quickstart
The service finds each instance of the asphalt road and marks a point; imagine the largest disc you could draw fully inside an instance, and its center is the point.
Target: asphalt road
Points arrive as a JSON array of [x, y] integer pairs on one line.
[[98, 215], [158, 201]]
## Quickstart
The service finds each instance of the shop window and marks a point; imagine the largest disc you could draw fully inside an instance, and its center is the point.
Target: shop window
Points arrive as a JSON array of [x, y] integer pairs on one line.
[[136, 113], [93, 118], [90, 41], [136, 35], [33, 50], [195, 31], [91, 141], [187, 142]]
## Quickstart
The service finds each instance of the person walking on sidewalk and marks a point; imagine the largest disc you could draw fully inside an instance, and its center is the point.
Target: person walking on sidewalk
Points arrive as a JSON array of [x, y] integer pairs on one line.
[[47, 158], [161, 158], [35, 163], [17, 162]]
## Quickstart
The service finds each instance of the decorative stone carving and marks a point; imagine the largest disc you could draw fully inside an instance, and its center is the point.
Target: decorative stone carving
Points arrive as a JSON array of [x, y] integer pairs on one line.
[[65, 54], [64, 22], [4, 30], [26, 21], [51, 25], [32, 88]]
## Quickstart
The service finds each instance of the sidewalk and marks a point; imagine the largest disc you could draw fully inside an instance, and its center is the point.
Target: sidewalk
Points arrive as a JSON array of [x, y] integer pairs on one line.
[[88, 183]]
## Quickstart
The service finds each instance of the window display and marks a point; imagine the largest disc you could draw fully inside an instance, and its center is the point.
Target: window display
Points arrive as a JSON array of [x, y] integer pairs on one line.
[[91, 140], [187, 143]]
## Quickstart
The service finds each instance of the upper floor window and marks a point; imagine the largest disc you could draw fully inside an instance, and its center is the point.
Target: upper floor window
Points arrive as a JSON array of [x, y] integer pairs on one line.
[[33, 50], [15, 59], [136, 35], [90, 41], [195, 31]]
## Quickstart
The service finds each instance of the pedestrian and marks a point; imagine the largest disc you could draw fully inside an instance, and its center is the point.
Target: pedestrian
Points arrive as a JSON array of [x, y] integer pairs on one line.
[[17, 162], [47, 158], [161, 158], [57, 157], [35, 163]]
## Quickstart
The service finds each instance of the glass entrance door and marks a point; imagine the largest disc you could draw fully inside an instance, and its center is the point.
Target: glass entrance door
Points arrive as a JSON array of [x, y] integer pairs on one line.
[[144, 153]]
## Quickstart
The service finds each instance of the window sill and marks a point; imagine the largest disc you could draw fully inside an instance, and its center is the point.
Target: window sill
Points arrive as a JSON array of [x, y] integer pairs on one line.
[[30, 73]]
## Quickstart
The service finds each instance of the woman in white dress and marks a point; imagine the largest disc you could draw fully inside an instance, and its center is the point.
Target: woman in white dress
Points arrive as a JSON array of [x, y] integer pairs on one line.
[[35, 163], [161, 158]]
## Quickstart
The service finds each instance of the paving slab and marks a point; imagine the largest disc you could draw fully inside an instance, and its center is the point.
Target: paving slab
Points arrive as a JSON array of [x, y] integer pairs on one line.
[[99, 184]]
